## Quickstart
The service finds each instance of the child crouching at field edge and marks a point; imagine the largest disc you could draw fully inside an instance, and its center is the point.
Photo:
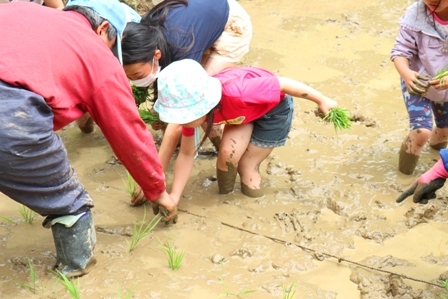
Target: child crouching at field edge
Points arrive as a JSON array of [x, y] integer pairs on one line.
[[255, 106]]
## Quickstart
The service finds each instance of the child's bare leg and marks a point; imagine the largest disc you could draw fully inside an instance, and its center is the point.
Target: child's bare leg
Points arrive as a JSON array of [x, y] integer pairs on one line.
[[439, 138], [169, 143], [411, 149], [85, 124], [235, 140], [215, 134], [248, 169]]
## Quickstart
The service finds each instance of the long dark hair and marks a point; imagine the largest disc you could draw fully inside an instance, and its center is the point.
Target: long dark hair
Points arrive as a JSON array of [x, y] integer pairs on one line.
[[156, 16], [140, 42]]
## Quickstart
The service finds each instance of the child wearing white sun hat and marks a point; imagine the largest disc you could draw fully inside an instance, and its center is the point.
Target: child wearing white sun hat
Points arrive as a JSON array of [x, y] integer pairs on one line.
[[255, 106]]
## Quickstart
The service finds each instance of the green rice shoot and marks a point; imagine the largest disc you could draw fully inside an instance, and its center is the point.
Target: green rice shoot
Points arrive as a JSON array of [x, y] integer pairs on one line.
[[174, 257], [442, 73], [339, 117]]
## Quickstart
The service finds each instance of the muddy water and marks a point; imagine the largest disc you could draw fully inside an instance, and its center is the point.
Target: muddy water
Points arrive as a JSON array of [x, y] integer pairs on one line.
[[328, 223]]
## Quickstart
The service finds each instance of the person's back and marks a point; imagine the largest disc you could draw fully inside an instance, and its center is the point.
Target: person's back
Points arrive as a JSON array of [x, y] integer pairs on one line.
[[187, 34], [59, 65]]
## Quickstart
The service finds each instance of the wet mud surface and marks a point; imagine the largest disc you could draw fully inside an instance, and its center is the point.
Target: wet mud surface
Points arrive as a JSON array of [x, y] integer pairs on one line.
[[328, 222]]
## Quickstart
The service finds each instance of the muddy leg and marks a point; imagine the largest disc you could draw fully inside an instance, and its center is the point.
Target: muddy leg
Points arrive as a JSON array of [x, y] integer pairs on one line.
[[407, 162], [86, 124], [251, 192], [439, 138], [226, 179]]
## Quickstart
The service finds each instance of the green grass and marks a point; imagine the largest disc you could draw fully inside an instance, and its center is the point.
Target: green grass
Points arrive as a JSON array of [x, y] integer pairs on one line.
[[339, 117], [142, 230], [73, 289], [226, 293], [174, 257], [7, 219], [28, 215]]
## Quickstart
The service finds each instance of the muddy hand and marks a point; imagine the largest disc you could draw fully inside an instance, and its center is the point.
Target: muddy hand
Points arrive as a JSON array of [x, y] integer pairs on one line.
[[138, 198], [422, 191], [167, 208], [419, 85]]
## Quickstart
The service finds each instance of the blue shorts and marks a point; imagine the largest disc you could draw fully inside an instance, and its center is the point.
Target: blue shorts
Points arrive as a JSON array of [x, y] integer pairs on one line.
[[34, 167], [272, 129], [421, 111]]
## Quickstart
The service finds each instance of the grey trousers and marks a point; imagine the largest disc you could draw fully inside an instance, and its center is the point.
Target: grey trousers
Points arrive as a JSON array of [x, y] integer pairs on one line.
[[34, 167]]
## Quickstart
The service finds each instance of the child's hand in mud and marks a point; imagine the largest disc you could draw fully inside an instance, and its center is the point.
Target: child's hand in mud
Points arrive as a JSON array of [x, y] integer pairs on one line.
[[138, 198], [425, 187], [166, 206], [422, 191]]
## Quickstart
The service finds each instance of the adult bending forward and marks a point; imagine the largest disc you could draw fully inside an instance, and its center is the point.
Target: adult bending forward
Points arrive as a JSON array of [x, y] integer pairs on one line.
[[51, 73]]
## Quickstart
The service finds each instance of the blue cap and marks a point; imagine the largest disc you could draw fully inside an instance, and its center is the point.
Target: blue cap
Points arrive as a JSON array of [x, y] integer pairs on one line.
[[131, 15], [111, 10]]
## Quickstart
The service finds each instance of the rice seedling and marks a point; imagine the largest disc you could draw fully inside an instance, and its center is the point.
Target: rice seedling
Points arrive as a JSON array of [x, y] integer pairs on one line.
[[289, 292], [174, 257], [443, 283], [442, 73], [339, 117], [130, 184], [28, 215], [142, 230], [32, 277], [128, 295], [226, 293], [140, 94], [73, 289], [6, 219], [148, 116]]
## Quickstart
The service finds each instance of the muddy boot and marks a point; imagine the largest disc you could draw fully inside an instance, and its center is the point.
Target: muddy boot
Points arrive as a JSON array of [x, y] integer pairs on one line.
[[74, 237], [251, 192], [407, 162], [226, 179], [439, 146]]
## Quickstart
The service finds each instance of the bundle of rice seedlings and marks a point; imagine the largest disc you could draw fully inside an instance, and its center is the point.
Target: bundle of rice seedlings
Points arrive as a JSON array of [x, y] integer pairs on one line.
[[339, 117], [148, 116], [442, 73], [140, 94]]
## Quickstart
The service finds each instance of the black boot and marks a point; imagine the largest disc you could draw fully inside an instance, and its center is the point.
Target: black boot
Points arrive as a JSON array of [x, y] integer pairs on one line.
[[74, 246]]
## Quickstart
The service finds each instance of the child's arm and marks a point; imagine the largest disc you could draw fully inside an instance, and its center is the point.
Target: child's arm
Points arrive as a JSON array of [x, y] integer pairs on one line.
[[301, 90], [183, 167], [170, 141]]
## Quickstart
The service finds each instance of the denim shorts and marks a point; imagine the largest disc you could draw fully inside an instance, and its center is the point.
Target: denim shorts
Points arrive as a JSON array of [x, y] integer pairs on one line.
[[272, 129]]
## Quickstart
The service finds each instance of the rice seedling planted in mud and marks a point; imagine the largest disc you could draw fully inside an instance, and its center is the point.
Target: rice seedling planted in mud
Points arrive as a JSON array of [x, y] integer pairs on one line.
[[226, 293], [339, 117], [142, 230], [289, 292], [74, 289], [28, 215], [33, 286], [174, 257], [128, 295], [444, 295], [130, 184]]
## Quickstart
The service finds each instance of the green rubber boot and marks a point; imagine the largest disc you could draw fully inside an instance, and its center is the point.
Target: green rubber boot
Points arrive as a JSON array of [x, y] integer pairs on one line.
[[74, 244]]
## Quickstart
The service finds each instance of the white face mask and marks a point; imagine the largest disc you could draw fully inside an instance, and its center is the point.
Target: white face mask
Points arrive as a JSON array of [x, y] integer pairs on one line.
[[145, 82]]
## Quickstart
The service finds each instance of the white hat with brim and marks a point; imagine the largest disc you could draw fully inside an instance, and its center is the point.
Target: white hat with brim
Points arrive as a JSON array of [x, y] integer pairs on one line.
[[112, 11], [186, 92]]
